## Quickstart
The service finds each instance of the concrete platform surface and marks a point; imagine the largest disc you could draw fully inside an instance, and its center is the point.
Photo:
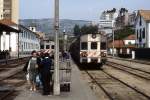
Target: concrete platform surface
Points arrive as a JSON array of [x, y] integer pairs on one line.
[[79, 90]]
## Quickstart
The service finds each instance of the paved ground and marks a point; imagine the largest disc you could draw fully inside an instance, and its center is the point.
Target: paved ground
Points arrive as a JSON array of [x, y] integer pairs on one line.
[[79, 90]]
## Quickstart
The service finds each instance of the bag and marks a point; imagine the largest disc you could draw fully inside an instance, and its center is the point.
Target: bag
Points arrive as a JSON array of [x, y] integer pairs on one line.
[[27, 76], [37, 79]]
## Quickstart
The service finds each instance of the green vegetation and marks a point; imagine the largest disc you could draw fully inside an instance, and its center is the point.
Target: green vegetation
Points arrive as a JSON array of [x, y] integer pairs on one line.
[[122, 33], [76, 30], [85, 30]]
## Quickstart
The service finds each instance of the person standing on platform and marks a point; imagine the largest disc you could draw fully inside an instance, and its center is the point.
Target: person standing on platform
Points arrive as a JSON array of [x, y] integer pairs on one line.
[[46, 74], [39, 60], [32, 70]]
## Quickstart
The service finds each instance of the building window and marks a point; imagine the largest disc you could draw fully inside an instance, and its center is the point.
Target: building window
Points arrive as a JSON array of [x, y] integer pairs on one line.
[[129, 43], [24, 45], [140, 38], [84, 46], [47, 46], [143, 32], [22, 33], [93, 45], [140, 21], [137, 34], [144, 45]]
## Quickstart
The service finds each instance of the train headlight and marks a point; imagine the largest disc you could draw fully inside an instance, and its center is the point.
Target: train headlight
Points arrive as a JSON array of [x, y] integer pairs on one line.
[[84, 54], [103, 54]]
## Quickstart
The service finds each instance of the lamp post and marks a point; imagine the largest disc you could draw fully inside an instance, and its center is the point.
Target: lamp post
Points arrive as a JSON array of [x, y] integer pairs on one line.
[[56, 63], [65, 40], [113, 41]]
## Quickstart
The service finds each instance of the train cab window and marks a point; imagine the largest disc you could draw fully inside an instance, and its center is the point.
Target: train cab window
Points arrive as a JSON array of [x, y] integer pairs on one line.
[[93, 45], [52, 47], [42, 46], [103, 45], [47, 46], [84, 45]]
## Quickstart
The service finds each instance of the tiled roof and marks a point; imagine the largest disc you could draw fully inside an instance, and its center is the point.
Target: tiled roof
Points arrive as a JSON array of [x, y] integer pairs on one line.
[[120, 44], [145, 14], [7, 28], [117, 44], [7, 22], [130, 37]]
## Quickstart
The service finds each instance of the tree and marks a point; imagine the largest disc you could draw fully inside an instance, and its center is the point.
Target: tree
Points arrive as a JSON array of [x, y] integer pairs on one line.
[[85, 30], [122, 33], [76, 30], [89, 29]]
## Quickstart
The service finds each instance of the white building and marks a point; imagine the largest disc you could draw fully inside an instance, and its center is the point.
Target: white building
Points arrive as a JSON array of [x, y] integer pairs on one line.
[[28, 41], [107, 21], [1, 9], [142, 29], [123, 46], [9, 9], [9, 39]]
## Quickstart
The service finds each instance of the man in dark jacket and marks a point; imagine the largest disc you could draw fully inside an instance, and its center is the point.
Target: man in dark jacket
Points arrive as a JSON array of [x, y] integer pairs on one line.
[[45, 74]]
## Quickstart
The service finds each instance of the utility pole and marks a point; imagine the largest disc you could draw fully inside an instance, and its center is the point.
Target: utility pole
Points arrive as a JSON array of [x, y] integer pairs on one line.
[[113, 37], [56, 63], [113, 41]]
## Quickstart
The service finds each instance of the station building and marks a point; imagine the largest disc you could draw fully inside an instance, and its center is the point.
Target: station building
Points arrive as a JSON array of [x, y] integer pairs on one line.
[[28, 41], [9, 39], [122, 47], [20, 41]]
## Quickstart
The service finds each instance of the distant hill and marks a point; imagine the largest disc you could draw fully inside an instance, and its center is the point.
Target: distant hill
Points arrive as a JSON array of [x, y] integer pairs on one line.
[[46, 25]]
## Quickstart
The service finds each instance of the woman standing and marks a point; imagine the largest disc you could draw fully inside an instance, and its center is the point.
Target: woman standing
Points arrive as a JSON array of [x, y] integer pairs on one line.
[[32, 70]]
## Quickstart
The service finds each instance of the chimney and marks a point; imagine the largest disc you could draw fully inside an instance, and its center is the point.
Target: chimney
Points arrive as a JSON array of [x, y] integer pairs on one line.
[[32, 28]]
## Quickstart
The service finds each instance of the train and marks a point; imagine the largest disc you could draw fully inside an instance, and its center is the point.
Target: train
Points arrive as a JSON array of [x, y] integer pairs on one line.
[[89, 49]]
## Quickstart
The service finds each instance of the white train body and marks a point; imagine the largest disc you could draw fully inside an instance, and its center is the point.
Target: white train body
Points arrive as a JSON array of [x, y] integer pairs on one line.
[[90, 49]]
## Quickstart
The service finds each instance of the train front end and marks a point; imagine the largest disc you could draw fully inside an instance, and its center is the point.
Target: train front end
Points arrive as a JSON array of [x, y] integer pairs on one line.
[[90, 49]]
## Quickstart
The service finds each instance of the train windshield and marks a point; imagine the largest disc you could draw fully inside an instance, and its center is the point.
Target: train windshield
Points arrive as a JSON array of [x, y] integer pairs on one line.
[[103, 45], [84, 46], [93, 45]]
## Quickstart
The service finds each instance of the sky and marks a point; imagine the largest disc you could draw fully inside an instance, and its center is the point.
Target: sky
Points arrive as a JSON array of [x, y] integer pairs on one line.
[[76, 9]]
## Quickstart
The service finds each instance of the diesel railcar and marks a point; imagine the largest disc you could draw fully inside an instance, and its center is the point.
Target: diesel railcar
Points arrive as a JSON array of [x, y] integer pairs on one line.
[[89, 49]]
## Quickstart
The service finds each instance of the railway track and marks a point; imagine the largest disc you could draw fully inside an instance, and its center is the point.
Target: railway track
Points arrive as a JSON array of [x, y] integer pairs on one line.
[[13, 63], [134, 71], [114, 88], [11, 82], [130, 60]]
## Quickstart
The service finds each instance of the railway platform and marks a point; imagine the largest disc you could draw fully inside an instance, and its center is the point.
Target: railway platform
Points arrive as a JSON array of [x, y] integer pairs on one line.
[[79, 90]]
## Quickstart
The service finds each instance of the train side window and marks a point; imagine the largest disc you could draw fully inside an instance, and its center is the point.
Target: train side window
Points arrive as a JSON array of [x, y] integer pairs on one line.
[[84, 45], [93, 45], [47, 46], [103, 45], [52, 47]]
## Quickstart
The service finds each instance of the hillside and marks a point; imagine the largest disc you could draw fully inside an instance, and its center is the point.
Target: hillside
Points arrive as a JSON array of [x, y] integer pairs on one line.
[[46, 25]]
